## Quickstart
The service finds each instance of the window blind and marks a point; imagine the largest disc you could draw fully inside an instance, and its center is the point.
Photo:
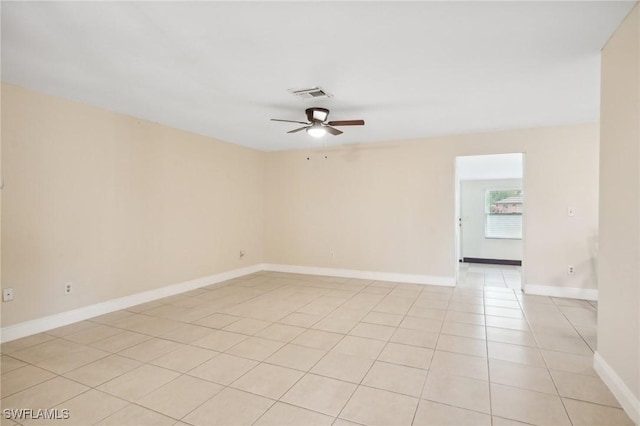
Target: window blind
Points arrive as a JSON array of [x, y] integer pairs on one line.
[[503, 226]]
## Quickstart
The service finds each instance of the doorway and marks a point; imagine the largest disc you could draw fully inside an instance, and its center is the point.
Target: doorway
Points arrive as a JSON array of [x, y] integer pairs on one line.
[[489, 220]]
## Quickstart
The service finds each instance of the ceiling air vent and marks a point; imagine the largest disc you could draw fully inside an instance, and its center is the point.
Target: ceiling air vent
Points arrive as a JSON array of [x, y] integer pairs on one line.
[[312, 93]]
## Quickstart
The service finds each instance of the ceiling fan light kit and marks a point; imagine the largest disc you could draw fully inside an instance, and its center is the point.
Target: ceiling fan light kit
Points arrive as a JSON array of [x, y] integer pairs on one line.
[[316, 130], [317, 124]]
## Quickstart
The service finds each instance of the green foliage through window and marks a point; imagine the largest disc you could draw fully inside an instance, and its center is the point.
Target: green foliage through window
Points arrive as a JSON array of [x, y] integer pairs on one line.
[[493, 199]]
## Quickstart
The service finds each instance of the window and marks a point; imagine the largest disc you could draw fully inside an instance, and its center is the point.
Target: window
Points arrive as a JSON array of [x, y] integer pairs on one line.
[[503, 212]]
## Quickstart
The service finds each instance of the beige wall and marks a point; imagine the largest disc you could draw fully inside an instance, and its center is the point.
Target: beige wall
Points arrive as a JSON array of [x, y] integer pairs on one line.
[[116, 205], [119, 205], [390, 207], [619, 253], [472, 206], [1, 177]]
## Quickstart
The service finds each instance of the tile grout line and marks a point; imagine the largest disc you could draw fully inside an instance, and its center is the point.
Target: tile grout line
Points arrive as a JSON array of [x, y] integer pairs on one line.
[[426, 379], [327, 287], [305, 373], [488, 361], [545, 360], [253, 368], [374, 361]]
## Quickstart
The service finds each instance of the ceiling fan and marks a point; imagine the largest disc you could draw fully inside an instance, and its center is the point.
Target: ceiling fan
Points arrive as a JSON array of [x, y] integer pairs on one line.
[[317, 125]]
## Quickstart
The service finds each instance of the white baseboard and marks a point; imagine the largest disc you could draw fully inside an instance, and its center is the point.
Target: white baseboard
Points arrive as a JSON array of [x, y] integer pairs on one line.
[[367, 275], [629, 402], [50, 322], [568, 292]]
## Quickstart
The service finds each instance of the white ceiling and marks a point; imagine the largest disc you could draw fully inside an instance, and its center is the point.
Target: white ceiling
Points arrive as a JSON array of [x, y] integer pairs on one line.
[[495, 166], [409, 69]]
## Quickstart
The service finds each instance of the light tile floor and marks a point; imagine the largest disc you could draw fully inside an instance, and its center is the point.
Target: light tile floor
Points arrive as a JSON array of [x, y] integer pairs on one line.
[[284, 349], [478, 275]]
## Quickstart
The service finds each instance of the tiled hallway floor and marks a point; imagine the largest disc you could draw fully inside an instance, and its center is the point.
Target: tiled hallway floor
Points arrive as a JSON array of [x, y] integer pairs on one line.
[[477, 275], [284, 349]]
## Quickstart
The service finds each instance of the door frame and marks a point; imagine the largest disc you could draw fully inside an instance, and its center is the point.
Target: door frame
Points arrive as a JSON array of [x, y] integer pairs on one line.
[[458, 245]]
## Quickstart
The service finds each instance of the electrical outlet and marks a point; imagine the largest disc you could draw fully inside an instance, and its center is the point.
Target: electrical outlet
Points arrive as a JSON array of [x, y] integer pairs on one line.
[[68, 287], [571, 270], [571, 211], [242, 253], [7, 295]]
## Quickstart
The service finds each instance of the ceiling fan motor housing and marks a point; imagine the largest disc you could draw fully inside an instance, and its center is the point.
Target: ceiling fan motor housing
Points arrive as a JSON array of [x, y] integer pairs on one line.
[[317, 114]]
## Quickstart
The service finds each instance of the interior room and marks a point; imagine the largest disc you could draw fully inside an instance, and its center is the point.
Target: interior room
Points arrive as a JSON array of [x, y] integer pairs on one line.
[[490, 210], [262, 213]]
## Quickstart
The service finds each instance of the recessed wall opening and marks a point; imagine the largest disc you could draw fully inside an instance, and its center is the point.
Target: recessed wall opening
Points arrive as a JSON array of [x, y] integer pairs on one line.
[[489, 220]]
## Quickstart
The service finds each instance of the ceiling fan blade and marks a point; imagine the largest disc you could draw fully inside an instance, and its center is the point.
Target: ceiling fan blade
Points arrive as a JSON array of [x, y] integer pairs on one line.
[[334, 132], [290, 121], [346, 123], [297, 130]]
